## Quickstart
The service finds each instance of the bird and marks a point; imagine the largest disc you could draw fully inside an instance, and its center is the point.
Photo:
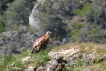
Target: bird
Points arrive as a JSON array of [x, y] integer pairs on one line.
[[41, 43]]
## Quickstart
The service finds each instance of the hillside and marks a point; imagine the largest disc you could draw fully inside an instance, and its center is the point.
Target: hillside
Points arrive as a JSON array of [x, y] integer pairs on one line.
[[69, 21], [90, 57], [77, 43]]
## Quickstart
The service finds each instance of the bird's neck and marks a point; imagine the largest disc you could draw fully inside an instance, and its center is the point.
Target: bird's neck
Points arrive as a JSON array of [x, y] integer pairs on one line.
[[46, 35]]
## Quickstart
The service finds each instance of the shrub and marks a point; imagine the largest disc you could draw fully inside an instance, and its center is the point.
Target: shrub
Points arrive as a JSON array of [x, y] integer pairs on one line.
[[2, 29], [42, 57]]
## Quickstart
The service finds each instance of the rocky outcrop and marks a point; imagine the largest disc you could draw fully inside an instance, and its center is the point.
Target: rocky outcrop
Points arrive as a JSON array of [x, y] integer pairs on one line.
[[58, 62], [61, 58], [63, 53], [33, 19], [16, 41], [26, 59], [30, 68], [65, 58]]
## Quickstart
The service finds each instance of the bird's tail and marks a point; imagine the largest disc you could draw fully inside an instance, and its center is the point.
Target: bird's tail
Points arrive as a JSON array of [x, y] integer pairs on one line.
[[33, 50]]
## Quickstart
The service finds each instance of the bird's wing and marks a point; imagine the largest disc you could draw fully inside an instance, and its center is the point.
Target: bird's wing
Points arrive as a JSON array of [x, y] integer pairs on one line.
[[39, 41]]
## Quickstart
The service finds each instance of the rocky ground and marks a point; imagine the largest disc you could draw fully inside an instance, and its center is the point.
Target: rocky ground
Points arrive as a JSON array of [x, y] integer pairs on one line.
[[74, 57], [14, 42], [67, 58]]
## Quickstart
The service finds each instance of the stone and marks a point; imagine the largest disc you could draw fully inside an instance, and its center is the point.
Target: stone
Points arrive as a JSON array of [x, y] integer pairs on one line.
[[33, 19], [41, 69], [63, 53], [30, 68], [25, 59]]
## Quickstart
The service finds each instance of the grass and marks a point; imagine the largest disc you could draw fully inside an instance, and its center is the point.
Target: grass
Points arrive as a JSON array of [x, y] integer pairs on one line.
[[9, 62], [75, 67], [97, 67], [86, 7], [13, 62], [94, 67], [41, 57], [2, 29], [87, 48]]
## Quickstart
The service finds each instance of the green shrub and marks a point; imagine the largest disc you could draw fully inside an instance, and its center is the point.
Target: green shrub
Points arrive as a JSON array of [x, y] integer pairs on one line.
[[76, 66], [2, 29], [84, 10], [6, 61], [77, 25], [42, 57]]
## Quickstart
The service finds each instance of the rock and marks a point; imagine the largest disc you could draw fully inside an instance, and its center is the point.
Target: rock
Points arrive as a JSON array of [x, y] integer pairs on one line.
[[60, 58], [104, 57], [90, 1], [51, 65], [91, 58], [60, 67], [15, 52], [41, 69], [25, 59], [10, 33], [67, 57], [17, 69], [63, 53], [55, 5], [12, 42], [65, 40], [56, 64], [56, 43], [30, 68], [33, 19], [61, 64]]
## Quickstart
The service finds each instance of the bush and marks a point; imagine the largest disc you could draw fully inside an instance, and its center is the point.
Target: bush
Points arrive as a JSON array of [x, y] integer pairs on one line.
[[2, 29], [42, 57]]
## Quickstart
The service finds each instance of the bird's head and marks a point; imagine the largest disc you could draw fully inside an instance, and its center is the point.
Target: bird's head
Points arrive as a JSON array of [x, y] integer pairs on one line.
[[48, 32]]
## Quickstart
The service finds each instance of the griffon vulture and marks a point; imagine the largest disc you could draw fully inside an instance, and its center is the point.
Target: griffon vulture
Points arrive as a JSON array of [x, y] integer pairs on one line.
[[41, 42]]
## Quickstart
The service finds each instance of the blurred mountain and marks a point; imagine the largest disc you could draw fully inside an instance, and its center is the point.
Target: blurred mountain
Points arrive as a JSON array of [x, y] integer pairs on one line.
[[23, 21]]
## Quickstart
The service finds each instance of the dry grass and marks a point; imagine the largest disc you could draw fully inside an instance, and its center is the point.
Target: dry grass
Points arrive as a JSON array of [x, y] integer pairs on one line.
[[86, 47], [42, 56], [96, 67]]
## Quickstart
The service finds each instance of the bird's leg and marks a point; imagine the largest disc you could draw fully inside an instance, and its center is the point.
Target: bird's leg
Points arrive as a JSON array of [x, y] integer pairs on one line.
[[37, 49], [33, 51]]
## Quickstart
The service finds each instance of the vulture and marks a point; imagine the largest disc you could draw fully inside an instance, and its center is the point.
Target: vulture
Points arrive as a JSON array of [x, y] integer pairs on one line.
[[41, 43]]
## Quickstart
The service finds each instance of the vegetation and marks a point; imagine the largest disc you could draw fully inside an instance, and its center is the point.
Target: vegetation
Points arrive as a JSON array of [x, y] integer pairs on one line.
[[15, 13], [87, 48], [59, 17], [42, 57], [2, 29], [81, 21], [13, 62], [9, 61], [78, 20]]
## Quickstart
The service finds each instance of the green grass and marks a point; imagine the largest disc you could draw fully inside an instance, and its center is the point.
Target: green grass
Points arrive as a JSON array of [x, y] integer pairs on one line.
[[85, 9], [10, 62], [75, 67], [42, 57], [87, 48], [97, 67], [2, 29]]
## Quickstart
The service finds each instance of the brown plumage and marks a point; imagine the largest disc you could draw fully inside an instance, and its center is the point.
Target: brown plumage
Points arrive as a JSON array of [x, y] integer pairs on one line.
[[41, 42]]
